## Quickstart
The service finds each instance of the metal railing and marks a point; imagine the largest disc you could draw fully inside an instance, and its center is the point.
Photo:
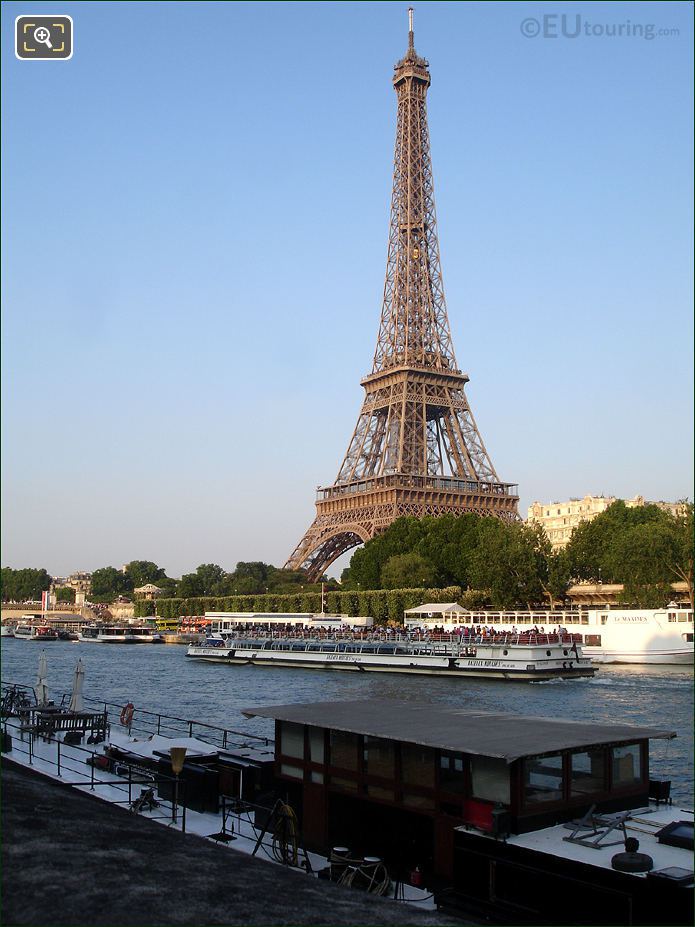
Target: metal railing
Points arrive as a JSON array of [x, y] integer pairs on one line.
[[447, 484], [152, 722], [72, 758]]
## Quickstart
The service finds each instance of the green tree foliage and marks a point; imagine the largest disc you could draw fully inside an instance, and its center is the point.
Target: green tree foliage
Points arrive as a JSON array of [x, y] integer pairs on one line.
[[403, 570], [401, 537], [589, 550], [24, 585], [208, 579], [141, 572], [108, 583], [144, 608], [65, 594], [681, 566], [506, 562]]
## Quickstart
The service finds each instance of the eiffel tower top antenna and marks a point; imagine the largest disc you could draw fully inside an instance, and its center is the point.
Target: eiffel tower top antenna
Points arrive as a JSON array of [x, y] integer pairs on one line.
[[411, 37]]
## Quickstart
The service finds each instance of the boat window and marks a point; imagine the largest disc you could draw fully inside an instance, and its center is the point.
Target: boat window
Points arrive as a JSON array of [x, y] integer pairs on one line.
[[402, 650], [543, 778], [292, 739], [379, 757], [316, 745], [295, 772], [386, 649], [452, 772], [587, 772], [343, 748], [314, 647], [417, 765], [627, 765], [301, 647], [490, 779], [368, 648], [328, 648]]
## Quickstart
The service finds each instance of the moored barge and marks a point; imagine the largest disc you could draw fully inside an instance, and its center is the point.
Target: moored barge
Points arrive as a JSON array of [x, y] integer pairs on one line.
[[509, 819]]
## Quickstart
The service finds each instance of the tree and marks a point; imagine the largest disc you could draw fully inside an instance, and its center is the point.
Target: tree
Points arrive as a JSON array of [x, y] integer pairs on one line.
[[142, 572], [208, 579], [407, 571], [189, 586], [65, 594], [108, 583], [589, 548], [24, 585], [505, 562], [680, 561], [401, 537], [649, 557]]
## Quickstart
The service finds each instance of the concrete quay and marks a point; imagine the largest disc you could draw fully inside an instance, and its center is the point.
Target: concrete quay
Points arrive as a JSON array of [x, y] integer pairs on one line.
[[69, 858]]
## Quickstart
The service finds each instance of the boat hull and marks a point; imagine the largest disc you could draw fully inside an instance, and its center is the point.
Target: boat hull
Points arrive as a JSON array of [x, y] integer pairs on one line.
[[488, 666]]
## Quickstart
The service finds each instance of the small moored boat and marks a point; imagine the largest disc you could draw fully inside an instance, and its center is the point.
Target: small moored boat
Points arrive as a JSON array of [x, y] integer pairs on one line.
[[35, 632], [113, 634]]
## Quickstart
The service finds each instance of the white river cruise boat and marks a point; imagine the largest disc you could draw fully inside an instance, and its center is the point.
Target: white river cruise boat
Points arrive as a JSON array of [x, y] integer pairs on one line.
[[111, 634], [529, 657], [607, 635], [35, 632]]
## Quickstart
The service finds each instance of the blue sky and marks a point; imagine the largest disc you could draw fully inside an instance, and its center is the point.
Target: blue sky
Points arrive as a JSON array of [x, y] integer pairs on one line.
[[195, 223]]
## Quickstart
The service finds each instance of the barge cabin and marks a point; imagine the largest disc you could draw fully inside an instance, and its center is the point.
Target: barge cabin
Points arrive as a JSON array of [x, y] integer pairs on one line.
[[507, 817]]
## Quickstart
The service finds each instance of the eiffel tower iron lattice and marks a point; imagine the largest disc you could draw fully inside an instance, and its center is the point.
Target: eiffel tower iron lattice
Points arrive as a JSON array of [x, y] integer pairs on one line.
[[416, 449]]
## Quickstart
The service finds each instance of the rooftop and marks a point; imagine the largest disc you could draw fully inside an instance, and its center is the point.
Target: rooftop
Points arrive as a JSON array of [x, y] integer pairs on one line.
[[462, 730]]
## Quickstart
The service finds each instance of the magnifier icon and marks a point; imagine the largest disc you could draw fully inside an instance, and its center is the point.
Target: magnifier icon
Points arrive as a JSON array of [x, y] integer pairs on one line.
[[43, 36]]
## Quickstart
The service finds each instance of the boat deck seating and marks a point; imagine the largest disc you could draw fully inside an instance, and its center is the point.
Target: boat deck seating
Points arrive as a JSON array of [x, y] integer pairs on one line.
[[46, 725]]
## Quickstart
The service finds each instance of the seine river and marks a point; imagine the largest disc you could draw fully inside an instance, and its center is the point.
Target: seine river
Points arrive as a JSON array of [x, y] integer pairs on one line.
[[161, 678]]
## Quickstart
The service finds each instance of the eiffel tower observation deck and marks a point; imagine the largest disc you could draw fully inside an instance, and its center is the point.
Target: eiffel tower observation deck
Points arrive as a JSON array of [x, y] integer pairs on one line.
[[416, 449]]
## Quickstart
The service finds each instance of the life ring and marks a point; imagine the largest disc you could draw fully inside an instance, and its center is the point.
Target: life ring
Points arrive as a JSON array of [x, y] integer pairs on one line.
[[127, 714]]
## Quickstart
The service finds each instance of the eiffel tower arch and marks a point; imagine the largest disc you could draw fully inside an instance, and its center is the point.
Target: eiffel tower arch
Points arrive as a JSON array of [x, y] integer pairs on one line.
[[416, 449]]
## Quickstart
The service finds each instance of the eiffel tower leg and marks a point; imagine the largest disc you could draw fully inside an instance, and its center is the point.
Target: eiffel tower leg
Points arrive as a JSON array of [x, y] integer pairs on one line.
[[324, 542]]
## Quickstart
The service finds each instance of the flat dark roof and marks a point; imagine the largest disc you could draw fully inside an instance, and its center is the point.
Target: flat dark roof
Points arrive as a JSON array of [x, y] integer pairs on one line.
[[444, 727]]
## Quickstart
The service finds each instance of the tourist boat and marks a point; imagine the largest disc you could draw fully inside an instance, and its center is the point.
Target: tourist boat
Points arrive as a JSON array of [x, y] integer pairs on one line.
[[115, 634], [608, 635], [506, 656], [35, 632]]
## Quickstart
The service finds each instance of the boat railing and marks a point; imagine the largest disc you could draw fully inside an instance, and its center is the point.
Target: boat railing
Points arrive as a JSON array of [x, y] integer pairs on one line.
[[437, 643], [149, 722], [448, 637], [127, 783]]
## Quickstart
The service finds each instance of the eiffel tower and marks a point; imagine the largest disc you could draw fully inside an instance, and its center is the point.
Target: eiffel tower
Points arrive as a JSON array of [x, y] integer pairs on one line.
[[416, 449]]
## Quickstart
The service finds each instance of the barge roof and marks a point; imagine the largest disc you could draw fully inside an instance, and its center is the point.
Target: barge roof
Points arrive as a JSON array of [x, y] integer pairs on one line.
[[462, 730]]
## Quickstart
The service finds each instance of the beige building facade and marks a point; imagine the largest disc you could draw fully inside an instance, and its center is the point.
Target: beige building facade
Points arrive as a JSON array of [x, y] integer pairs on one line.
[[559, 519]]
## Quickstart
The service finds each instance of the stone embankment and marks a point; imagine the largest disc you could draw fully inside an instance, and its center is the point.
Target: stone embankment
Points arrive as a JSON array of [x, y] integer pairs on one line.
[[70, 859]]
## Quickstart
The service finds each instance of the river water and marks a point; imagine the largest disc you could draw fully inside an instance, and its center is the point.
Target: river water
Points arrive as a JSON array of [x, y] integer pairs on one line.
[[161, 678]]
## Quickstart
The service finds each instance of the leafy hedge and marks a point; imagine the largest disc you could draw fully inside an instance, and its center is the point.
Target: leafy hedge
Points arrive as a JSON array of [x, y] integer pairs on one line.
[[144, 608], [383, 605]]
